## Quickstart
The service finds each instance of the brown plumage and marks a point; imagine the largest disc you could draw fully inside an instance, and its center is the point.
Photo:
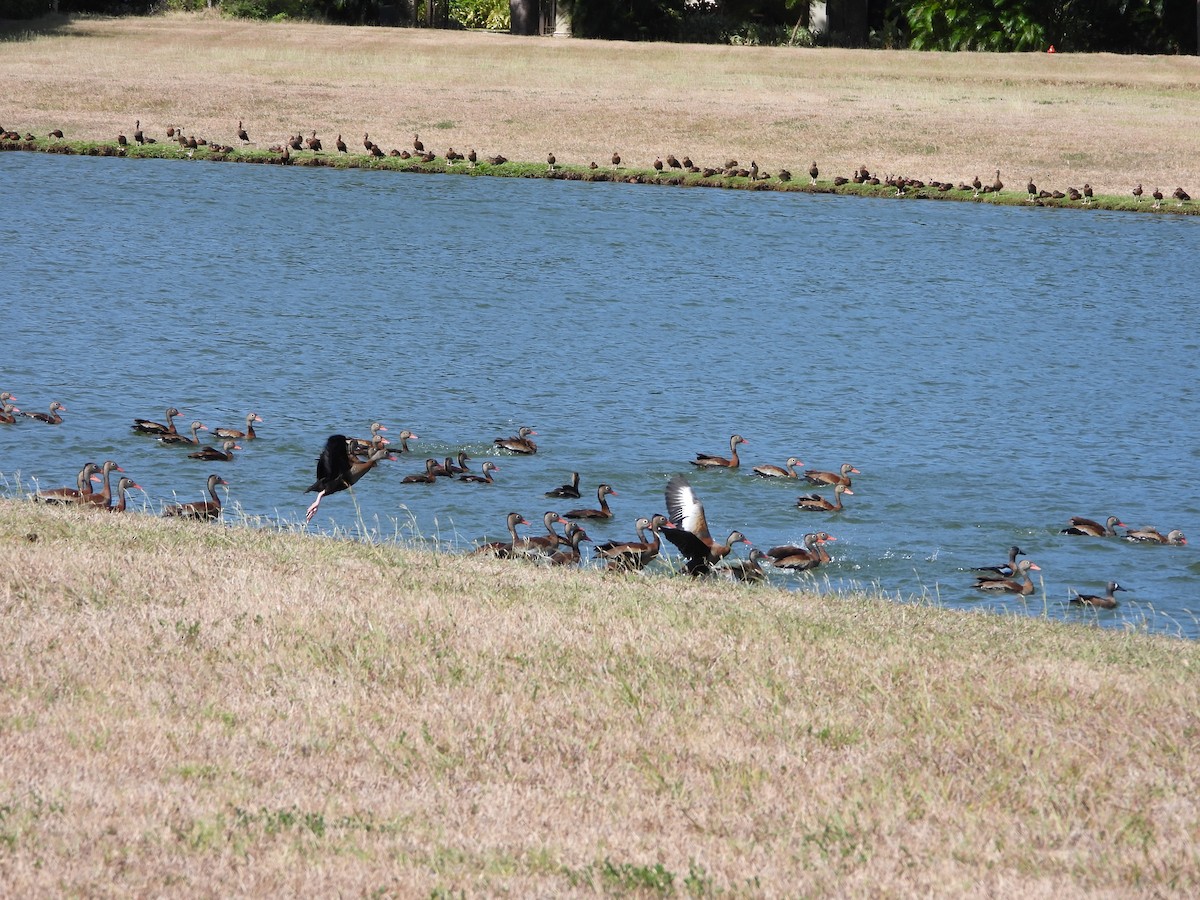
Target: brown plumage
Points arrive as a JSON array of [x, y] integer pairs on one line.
[[571, 556], [236, 434], [103, 497], [50, 418], [138, 137], [429, 476], [1011, 585], [635, 555], [813, 172], [242, 136], [1007, 570], [788, 470], [83, 487], [314, 143], [146, 426], [8, 414], [709, 461], [486, 478], [337, 472], [551, 540], [176, 438], [817, 503], [123, 485], [515, 546], [1081, 526], [749, 570], [200, 509], [417, 145], [690, 534], [1149, 535], [842, 476], [567, 491], [800, 559], [1107, 600], [212, 454], [519, 444], [550, 161], [603, 512]]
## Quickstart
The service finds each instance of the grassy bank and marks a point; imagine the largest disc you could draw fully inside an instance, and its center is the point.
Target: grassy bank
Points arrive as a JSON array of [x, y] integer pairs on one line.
[[207, 710], [1062, 120]]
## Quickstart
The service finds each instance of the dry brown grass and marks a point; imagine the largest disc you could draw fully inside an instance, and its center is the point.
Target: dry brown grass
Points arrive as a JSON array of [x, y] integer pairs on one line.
[[192, 710], [1062, 119]]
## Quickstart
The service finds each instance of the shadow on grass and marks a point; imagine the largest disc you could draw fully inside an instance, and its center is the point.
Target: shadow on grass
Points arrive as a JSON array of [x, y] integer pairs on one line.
[[14, 30]]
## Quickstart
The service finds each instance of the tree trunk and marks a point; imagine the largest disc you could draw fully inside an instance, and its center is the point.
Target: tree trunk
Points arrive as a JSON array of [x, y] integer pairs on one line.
[[848, 21], [523, 17]]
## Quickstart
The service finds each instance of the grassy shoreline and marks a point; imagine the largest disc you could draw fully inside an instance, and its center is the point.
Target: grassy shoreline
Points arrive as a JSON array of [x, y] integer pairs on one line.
[[191, 709], [1062, 120]]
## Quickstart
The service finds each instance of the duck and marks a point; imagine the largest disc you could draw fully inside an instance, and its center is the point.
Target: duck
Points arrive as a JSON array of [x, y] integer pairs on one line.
[[444, 469], [199, 509], [404, 437], [103, 497], [1137, 193], [550, 161], [690, 534], [788, 470], [1007, 570], [800, 559], [177, 438], [461, 466], [813, 172], [1081, 526], [566, 491], [709, 461], [616, 160], [50, 418], [239, 435], [746, 570], [123, 485], [571, 556], [1181, 195], [212, 454], [337, 472], [1151, 535], [242, 135], [842, 476], [817, 503], [314, 142], [519, 444], [83, 487], [147, 426], [359, 446], [1011, 585], [8, 414], [138, 136], [417, 145], [602, 492], [502, 549], [429, 476], [1100, 601], [552, 539], [635, 555], [488, 468]]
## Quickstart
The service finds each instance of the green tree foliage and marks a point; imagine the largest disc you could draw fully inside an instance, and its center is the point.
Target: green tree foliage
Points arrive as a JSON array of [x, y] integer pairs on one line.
[[976, 25]]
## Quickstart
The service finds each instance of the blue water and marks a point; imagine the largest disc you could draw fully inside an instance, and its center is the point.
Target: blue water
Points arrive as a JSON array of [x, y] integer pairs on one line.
[[991, 371]]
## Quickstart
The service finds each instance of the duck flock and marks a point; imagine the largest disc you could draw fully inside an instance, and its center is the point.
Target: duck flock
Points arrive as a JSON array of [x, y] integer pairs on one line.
[[672, 167], [344, 461]]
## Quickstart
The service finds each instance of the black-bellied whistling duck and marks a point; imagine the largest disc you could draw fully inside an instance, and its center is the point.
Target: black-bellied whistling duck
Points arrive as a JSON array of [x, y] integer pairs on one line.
[[404, 437], [82, 489], [550, 161], [616, 160], [1087, 193], [567, 491], [746, 570], [515, 546], [488, 468], [571, 556], [658, 166], [138, 136], [50, 418], [690, 534], [296, 143], [1007, 570], [6, 396], [417, 145], [429, 476], [1137, 193], [673, 162], [842, 476], [602, 492], [8, 414], [800, 559], [1158, 198], [788, 470], [997, 185], [359, 446], [199, 509], [234, 433], [817, 503], [472, 157], [461, 466], [177, 438], [708, 461], [103, 497], [1031, 190], [552, 539], [1090, 528], [122, 141], [122, 486], [1181, 196], [212, 454], [336, 471], [1011, 585], [146, 426], [784, 175], [1107, 600], [813, 172], [498, 160], [56, 134], [635, 555], [444, 468], [242, 135], [314, 142], [1151, 535], [519, 444]]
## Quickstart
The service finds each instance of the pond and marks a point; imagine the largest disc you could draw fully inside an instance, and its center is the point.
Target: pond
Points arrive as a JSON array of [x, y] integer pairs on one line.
[[990, 371]]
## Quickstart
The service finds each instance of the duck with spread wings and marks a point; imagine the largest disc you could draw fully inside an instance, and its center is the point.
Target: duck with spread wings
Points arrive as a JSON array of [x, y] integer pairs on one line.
[[690, 534]]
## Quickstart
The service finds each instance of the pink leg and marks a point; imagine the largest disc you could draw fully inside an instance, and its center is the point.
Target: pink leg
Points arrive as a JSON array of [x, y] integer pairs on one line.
[[312, 510]]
